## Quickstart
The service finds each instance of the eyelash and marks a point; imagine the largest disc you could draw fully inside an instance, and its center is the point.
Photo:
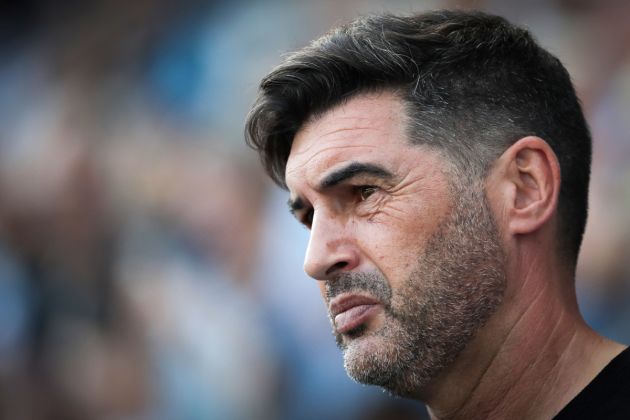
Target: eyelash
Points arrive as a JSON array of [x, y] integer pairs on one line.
[[365, 191], [308, 218]]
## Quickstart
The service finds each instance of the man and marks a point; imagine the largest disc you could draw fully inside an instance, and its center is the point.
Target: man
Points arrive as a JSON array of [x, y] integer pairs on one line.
[[441, 162]]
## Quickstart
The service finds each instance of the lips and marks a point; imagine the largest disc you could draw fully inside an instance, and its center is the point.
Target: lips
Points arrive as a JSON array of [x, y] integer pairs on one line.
[[351, 311]]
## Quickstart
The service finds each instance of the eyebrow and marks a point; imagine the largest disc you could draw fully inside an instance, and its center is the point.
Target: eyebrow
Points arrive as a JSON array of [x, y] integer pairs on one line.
[[340, 175], [352, 170]]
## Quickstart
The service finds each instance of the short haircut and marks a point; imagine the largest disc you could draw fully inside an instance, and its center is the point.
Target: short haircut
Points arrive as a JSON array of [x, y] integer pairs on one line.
[[472, 85]]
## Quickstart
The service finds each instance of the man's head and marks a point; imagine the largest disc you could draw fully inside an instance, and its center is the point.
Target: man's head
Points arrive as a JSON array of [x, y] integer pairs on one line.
[[472, 84], [411, 263], [385, 132]]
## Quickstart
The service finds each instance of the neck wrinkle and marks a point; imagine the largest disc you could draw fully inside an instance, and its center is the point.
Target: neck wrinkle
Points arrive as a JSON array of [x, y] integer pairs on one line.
[[552, 343], [539, 400], [505, 342], [476, 404]]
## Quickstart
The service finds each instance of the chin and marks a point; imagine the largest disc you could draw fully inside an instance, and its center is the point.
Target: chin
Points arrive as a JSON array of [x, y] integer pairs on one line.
[[373, 358]]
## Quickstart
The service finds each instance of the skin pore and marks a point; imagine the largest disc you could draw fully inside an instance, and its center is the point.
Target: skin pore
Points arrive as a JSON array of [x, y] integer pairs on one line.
[[435, 289]]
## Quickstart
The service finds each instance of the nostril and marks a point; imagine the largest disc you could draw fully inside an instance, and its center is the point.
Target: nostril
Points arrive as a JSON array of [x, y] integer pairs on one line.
[[338, 266]]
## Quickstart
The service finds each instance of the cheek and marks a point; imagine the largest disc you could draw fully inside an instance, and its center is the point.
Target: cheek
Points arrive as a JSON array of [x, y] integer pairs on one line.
[[394, 249], [394, 246]]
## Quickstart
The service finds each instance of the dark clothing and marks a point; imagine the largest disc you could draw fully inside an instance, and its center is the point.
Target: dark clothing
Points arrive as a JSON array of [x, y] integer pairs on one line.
[[606, 397]]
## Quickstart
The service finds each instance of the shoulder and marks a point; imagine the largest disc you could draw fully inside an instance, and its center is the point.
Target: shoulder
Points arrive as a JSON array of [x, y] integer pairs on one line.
[[606, 397]]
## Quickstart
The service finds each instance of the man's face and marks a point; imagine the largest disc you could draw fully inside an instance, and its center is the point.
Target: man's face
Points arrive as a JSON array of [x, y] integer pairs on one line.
[[411, 265]]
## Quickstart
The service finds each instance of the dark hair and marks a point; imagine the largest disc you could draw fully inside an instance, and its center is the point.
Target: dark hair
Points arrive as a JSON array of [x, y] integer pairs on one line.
[[472, 85]]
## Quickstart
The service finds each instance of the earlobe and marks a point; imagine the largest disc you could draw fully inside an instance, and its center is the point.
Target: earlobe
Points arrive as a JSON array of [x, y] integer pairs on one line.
[[533, 172]]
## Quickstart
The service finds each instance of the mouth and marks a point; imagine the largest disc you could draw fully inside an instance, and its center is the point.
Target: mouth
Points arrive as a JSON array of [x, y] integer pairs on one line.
[[351, 311]]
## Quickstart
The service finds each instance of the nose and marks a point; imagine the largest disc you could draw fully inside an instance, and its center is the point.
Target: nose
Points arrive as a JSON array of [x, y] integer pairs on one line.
[[331, 248]]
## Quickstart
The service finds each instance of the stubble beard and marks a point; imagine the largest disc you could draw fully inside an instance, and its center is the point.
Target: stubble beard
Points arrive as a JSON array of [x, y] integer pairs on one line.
[[457, 284]]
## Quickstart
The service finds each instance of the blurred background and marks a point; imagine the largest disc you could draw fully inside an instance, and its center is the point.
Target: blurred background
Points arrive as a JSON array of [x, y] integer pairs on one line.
[[148, 270]]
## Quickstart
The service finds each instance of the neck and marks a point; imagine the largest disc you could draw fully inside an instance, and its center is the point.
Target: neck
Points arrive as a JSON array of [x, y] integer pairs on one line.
[[531, 358]]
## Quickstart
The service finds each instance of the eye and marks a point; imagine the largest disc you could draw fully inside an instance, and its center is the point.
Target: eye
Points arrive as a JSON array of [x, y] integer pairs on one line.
[[365, 191], [308, 218]]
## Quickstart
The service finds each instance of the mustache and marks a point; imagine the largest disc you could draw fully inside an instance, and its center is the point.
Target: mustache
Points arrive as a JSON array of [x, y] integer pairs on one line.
[[373, 283]]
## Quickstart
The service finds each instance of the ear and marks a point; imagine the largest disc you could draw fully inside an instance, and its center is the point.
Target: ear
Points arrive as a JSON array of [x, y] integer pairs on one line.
[[528, 178]]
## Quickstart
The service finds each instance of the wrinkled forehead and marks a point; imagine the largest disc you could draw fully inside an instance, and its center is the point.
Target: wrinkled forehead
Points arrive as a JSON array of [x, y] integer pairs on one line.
[[366, 127]]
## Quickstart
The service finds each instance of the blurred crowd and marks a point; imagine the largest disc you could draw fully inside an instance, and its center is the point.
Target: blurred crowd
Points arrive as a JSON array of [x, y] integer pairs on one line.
[[148, 270]]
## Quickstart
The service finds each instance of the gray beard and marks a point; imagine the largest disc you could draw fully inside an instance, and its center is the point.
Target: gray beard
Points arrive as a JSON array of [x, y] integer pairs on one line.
[[457, 284]]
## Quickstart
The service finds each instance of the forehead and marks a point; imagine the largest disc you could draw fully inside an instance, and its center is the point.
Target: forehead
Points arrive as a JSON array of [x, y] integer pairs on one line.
[[369, 127]]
